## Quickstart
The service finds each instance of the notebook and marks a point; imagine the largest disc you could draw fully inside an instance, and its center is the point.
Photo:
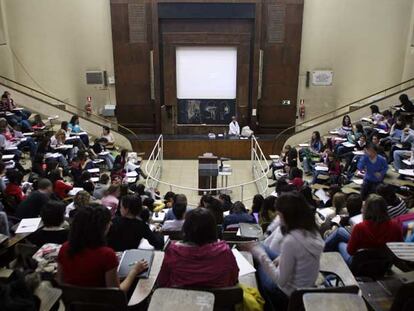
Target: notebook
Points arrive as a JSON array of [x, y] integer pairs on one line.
[[132, 256]]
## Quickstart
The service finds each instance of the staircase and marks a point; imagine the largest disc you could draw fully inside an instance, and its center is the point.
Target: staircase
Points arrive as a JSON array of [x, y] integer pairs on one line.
[[46, 105], [301, 132]]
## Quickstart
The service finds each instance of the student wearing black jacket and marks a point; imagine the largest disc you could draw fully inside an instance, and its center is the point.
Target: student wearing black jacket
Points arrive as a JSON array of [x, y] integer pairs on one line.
[[128, 229]]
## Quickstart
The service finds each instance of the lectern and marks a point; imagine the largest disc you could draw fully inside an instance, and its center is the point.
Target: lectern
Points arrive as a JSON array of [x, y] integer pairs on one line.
[[207, 173]]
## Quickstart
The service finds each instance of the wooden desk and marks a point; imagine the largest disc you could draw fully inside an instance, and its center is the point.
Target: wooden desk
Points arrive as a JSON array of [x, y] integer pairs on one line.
[[248, 279], [144, 286], [166, 299], [333, 302], [333, 262]]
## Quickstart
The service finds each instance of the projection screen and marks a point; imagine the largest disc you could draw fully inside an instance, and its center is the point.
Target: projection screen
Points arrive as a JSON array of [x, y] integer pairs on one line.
[[206, 72]]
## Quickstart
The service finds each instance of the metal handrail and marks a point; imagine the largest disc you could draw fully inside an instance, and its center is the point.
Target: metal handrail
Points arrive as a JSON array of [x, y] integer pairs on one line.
[[65, 103], [158, 148], [288, 129]]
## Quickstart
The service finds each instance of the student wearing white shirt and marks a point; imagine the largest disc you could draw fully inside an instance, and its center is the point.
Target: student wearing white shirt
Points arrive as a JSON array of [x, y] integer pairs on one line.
[[234, 128]]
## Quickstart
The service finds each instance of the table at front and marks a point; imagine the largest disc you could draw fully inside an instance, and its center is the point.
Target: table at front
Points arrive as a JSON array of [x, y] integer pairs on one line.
[[333, 302], [165, 299]]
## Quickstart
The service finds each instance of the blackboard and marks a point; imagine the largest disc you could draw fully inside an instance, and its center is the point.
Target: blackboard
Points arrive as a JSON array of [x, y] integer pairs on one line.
[[206, 111]]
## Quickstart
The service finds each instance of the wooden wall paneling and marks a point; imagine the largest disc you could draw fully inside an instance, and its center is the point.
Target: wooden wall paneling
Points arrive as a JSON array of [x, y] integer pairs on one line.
[[281, 43], [132, 64]]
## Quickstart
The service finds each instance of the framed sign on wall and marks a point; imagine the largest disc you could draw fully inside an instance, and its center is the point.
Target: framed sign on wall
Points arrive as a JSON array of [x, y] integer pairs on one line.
[[322, 77]]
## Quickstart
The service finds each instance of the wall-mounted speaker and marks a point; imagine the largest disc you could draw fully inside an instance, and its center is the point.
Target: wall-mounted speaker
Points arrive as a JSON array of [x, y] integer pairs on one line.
[[307, 78]]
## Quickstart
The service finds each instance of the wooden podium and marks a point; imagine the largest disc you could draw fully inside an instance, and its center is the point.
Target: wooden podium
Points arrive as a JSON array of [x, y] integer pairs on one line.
[[207, 173]]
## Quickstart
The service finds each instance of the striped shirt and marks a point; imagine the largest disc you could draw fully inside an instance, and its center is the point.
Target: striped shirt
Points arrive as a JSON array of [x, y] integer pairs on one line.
[[398, 209]]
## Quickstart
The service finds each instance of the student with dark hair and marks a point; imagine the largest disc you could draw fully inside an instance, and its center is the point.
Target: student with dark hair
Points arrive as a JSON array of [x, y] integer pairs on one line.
[[238, 214], [200, 260], [110, 140], [60, 187], [171, 201], [314, 150], [226, 202], [353, 206], [406, 104], [31, 207], [13, 188], [85, 260], [297, 265], [214, 206], [128, 229], [346, 126], [52, 215], [395, 206], [375, 168], [375, 113], [268, 211], [176, 224], [75, 128], [296, 178], [257, 203], [373, 232]]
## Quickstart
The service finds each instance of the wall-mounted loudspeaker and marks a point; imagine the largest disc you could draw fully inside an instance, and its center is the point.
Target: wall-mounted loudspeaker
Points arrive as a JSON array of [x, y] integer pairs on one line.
[[307, 78]]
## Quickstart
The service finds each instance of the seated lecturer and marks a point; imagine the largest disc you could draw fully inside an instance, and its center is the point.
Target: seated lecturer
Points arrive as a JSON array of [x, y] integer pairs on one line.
[[234, 128]]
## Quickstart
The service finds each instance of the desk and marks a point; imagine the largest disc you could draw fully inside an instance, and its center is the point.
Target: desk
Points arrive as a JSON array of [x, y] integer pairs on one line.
[[248, 279], [165, 299], [145, 286], [333, 302], [333, 262], [403, 251]]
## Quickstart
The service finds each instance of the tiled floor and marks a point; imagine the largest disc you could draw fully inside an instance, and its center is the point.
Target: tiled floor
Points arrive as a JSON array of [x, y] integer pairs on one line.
[[185, 173]]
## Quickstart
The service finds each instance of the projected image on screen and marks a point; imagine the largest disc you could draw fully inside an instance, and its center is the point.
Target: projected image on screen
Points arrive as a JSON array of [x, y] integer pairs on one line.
[[206, 72], [206, 84]]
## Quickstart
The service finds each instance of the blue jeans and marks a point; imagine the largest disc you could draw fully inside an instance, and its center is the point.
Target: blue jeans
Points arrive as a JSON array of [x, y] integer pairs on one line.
[[398, 156], [338, 242], [269, 288]]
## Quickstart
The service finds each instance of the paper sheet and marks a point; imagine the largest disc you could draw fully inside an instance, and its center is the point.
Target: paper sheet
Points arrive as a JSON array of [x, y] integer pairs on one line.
[[321, 168], [244, 266], [407, 172], [74, 191], [28, 225], [348, 144], [321, 194]]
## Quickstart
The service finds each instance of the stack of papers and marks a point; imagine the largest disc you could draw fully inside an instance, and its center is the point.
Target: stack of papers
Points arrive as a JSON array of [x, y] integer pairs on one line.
[[366, 120], [64, 147], [93, 170], [348, 144], [407, 172], [7, 157], [74, 191], [321, 168], [28, 225], [358, 152], [321, 194], [132, 174], [304, 145]]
